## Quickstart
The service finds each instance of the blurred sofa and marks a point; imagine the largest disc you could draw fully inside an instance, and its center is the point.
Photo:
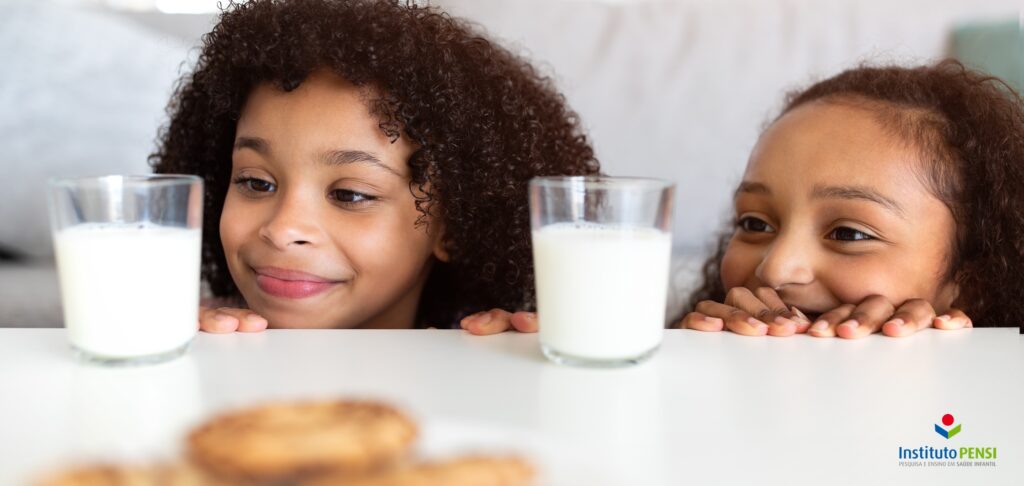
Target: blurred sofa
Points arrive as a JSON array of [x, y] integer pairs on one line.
[[677, 89]]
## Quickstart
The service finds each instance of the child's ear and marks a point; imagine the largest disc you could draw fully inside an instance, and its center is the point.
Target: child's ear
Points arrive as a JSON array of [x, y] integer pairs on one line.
[[440, 252], [440, 248], [949, 292]]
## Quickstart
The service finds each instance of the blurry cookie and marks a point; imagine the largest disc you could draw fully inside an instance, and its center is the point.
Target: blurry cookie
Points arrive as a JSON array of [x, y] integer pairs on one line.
[[466, 471], [109, 475], [284, 441]]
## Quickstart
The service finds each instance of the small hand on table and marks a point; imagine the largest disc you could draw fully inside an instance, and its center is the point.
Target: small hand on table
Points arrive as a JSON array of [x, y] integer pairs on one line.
[[228, 319], [495, 321], [762, 312]]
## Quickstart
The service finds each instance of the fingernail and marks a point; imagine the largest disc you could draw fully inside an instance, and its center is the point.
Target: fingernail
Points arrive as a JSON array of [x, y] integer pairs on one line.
[[850, 324], [799, 314], [761, 327], [255, 319], [531, 315], [481, 320], [468, 320], [222, 317], [782, 321], [944, 318], [820, 325], [711, 319], [897, 322]]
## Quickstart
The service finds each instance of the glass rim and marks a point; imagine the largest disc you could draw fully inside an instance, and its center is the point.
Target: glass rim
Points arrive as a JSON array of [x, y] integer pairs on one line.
[[126, 179], [601, 182]]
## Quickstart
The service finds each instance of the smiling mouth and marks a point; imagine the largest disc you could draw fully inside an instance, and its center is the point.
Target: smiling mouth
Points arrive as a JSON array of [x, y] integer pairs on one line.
[[292, 284]]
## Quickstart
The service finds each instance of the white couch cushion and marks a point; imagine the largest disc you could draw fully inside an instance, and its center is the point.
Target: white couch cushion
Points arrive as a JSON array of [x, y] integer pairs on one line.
[[83, 93]]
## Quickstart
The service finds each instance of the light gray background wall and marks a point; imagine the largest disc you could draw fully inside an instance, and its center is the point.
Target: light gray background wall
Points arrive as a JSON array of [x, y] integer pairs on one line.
[[676, 89]]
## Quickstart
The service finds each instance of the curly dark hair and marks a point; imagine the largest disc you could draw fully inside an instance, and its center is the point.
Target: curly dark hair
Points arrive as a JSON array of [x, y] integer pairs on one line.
[[484, 119], [970, 128]]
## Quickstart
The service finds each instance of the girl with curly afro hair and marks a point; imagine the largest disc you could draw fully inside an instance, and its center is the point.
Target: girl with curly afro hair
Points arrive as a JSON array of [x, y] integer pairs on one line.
[[366, 165], [882, 199]]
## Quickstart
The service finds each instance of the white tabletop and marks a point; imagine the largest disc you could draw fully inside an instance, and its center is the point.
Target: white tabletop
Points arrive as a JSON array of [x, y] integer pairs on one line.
[[709, 408]]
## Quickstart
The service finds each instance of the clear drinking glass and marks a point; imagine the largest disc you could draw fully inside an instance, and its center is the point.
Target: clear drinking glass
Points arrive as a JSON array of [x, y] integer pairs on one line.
[[128, 256], [601, 250]]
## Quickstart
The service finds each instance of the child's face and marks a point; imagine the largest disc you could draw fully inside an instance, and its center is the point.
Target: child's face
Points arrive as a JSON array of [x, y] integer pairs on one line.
[[319, 225], [833, 209]]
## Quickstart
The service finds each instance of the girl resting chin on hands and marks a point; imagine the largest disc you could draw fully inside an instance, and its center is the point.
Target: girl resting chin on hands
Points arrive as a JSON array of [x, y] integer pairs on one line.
[[884, 199]]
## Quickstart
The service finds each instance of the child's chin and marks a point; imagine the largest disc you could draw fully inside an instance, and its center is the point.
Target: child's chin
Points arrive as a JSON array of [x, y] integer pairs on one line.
[[299, 324], [290, 319]]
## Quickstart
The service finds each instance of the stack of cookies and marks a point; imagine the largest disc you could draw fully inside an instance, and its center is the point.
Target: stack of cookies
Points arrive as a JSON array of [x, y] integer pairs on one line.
[[343, 443]]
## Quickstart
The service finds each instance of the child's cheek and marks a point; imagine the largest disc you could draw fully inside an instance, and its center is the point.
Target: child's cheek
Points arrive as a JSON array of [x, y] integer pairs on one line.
[[232, 228], [853, 284], [738, 266]]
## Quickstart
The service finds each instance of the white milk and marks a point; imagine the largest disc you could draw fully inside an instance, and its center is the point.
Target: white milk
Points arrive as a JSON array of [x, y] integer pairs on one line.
[[601, 290], [129, 290]]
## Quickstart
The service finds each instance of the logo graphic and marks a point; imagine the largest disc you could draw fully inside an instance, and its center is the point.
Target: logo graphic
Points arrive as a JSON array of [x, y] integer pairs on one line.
[[947, 420], [965, 455]]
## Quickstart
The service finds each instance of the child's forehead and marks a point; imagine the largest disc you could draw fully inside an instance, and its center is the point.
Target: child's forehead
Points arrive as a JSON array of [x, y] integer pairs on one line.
[[318, 88], [852, 122], [830, 119], [322, 115], [825, 136], [821, 142]]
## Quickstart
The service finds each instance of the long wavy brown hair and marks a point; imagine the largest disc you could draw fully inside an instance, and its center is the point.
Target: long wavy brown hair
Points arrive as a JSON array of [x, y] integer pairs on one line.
[[484, 119], [970, 128]]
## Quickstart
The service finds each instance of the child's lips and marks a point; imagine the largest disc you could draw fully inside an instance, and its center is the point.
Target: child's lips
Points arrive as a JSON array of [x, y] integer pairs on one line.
[[291, 284]]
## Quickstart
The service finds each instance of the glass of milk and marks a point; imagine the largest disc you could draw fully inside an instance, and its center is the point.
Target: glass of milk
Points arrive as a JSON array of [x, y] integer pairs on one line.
[[601, 250], [127, 250]]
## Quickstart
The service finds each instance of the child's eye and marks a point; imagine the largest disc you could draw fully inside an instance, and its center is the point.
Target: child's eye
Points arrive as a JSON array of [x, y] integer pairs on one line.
[[351, 197], [844, 233], [253, 184], [754, 225]]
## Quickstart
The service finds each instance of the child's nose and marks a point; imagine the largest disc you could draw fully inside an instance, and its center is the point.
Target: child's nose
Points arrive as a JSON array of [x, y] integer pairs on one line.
[[293, 223], [787, 261]]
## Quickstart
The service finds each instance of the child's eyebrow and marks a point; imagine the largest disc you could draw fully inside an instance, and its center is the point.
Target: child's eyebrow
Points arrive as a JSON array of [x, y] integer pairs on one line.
[[342, 157], [858, 192], [752, 188], [258, 144], [832, 192], [331, 157]]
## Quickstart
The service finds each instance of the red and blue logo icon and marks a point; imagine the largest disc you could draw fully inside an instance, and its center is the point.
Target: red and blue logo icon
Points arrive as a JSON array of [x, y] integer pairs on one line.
[[948, 421]]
